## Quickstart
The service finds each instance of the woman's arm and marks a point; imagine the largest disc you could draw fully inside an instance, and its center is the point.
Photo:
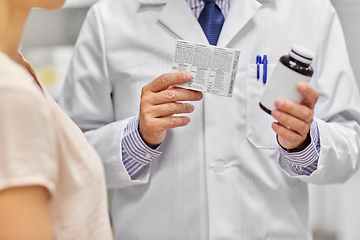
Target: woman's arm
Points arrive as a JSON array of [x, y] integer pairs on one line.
[[25, 214]]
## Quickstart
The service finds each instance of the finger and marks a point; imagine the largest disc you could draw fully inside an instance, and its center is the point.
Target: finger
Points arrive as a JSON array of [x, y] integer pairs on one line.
[[176, 94], [291, 122], [174, 122], [310, 95], [165, 123], [299, 111], [168, 109], [168, 79], [287, 138]]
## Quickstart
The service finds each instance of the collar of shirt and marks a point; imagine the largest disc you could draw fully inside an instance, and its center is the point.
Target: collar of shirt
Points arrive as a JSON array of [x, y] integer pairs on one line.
[[198, 5]]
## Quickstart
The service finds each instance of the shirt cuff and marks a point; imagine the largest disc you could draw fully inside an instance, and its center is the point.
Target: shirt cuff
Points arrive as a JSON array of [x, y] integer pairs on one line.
[[304, 162], [135, 153]]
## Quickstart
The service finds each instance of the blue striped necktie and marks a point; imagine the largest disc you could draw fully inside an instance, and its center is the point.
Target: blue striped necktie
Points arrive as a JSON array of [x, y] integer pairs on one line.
[[211, 20]]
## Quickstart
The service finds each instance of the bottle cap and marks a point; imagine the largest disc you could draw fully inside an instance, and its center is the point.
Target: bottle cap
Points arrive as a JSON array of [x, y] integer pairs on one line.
[[301, 54]]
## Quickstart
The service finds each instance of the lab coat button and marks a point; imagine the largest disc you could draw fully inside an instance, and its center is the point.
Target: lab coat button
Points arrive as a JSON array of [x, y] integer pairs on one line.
[[148, 155], [123, 176], [219, 166]]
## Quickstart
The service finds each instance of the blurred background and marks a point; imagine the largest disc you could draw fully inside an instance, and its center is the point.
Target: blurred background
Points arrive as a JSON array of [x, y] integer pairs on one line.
[[47, 44]]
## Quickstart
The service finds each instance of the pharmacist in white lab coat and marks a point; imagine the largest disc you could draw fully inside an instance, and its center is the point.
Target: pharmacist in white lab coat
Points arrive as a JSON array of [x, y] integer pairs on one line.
[[223, 175]]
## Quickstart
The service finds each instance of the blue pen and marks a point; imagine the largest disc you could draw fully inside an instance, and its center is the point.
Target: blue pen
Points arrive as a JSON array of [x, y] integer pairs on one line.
[[258, 62], [265, 62]]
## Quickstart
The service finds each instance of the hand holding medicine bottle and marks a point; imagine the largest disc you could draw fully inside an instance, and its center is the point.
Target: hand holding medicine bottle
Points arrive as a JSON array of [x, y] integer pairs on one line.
[[290, 99], [294, 119]]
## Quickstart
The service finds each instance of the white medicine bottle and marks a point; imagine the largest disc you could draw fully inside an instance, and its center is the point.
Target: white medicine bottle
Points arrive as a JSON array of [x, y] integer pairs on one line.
[[289, 71]]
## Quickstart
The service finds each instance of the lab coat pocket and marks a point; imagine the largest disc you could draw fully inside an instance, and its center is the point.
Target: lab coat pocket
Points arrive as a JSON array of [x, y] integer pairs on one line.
[[258, 130]]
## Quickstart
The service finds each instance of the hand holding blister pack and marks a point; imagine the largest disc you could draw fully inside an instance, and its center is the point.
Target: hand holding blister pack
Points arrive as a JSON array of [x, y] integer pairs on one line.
[[289, 71]]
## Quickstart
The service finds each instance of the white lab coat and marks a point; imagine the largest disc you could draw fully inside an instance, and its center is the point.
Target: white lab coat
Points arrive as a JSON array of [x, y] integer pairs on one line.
[[217, 178]]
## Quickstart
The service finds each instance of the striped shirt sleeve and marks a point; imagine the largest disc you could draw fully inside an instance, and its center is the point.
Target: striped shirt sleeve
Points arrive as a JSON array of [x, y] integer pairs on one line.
[[304, 162], [135, 153], [197, 6]]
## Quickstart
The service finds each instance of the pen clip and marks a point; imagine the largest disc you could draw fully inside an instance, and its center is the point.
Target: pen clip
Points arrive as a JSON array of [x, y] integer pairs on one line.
[[258, 62], [264, 62]]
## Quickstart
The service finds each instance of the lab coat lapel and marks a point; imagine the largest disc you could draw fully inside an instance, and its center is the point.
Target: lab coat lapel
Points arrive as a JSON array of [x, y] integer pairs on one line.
[[178, 17], [241, 11]]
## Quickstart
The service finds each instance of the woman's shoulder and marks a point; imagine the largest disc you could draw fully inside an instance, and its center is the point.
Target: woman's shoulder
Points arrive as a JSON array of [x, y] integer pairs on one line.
[[19, 91], [17, 79]]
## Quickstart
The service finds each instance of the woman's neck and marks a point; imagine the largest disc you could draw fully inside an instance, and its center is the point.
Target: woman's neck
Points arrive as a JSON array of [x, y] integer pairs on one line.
[[12, 21]]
